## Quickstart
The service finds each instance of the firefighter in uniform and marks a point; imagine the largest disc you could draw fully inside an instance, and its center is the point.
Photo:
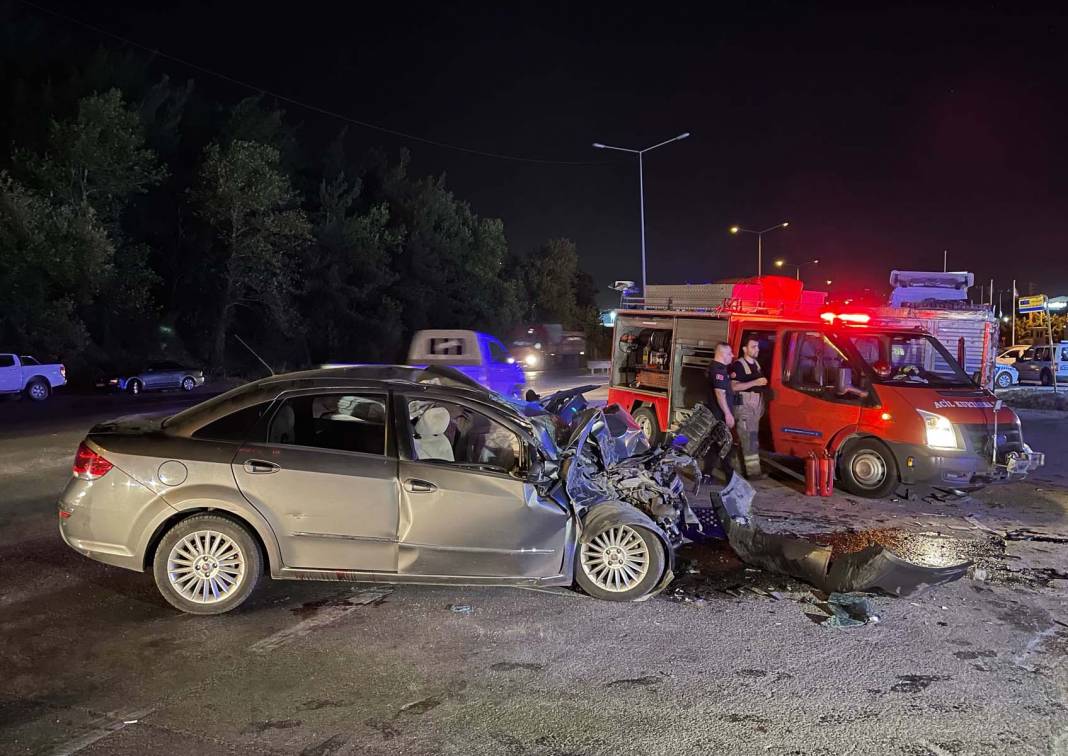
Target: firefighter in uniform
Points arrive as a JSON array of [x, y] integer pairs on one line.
[[721, 402], [749, 385]]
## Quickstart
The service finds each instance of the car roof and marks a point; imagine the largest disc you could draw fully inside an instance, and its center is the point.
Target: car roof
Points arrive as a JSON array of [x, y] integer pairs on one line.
[[433, 379]]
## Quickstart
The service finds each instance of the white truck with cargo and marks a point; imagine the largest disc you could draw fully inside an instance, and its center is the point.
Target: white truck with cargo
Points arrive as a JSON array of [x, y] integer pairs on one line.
[[22, 375]]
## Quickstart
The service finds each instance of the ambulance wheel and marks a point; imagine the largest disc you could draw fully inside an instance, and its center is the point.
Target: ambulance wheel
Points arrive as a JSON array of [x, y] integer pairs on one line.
[[645, 417], [867, 468]]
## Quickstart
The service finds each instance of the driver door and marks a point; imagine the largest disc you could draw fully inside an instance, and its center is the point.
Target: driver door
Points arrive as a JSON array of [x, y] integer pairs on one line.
[[465, 508], [808, 412]]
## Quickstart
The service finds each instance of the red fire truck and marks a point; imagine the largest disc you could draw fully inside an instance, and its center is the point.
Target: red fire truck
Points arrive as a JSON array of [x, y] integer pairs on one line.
[[874, 387]]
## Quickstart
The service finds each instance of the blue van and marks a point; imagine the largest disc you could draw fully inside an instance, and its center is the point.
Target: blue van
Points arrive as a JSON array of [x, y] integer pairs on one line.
[[476, 355]]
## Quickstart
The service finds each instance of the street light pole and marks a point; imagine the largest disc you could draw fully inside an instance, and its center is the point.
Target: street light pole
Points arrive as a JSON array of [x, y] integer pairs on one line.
[[760, 241], [797, 267], [641, 203], [641, 184]]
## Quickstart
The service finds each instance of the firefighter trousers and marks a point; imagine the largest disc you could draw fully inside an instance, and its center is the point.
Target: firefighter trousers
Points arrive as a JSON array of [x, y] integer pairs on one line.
[[747, 426]]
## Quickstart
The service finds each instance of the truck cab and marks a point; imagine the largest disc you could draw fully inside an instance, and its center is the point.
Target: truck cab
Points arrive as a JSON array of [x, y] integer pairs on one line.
[[893, 406]]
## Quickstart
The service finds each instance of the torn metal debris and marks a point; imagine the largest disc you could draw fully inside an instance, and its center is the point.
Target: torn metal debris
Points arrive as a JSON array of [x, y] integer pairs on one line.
[[872, 569]]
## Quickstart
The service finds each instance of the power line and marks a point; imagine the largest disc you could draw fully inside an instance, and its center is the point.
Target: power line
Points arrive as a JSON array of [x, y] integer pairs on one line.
[[301, 104]]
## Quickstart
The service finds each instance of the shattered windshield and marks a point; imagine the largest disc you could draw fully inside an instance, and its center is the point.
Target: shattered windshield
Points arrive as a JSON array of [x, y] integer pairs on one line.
[[908, 359]]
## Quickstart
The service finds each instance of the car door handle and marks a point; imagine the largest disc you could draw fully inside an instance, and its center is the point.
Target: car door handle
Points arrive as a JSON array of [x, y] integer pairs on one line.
[[419, 486], [260, 467]]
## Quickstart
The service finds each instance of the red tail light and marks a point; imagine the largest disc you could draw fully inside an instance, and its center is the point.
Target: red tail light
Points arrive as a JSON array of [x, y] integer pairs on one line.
[[88, 465]]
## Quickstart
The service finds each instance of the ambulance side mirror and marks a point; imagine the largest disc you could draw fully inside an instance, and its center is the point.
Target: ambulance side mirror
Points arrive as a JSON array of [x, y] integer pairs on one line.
[[844, 380]]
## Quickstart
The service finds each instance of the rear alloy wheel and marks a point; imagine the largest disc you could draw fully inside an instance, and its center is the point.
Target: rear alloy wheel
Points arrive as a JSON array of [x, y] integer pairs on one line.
[[645, 417], [38, 390], [134, 387], [1004, 379], [207, 564], [867, 468], [188, 384], [621, 563]]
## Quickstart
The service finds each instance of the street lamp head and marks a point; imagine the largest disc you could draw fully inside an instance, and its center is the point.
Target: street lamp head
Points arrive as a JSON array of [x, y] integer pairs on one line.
[[683, 135], [787, 223], [816, 261], [735, 229], [598, 145], [829, 282], [780, 263]]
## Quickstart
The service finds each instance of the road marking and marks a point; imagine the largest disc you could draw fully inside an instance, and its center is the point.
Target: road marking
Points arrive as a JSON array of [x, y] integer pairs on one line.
[[326, 616], [114, 723]]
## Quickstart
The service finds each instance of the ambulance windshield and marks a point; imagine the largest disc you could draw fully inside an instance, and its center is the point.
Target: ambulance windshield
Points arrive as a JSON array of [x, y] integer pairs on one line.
[[908, 359]]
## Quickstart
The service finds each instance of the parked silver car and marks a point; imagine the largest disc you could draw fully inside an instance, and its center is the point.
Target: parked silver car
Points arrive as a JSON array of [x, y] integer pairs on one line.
[[373, 474], [158, 376]]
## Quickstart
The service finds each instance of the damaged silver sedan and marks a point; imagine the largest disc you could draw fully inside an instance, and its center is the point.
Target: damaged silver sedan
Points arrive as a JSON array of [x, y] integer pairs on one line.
[[388, 475]]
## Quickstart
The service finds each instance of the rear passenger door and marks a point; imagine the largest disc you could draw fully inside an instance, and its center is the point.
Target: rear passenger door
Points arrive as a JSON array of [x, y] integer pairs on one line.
[[322, 470]]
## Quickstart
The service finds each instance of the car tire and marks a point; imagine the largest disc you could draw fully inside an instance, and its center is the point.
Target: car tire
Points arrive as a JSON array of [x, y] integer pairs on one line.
[[38, 389], [620, 563], [197, 543], [867, 468], [135, 387], [1047, 377], [1003, 379], [188, 383], [645, 417]]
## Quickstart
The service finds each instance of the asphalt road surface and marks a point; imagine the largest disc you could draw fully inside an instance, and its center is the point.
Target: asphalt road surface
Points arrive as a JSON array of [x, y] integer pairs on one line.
[[93, 661]]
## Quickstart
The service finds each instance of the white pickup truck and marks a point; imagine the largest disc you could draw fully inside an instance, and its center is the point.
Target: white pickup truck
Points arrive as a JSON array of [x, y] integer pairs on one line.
[[25, 375]]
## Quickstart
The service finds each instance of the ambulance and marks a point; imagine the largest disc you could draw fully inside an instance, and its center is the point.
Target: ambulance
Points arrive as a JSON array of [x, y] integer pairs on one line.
[[872, 387]]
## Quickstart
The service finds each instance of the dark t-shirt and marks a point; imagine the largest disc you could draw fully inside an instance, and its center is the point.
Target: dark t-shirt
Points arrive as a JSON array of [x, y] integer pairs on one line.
[[719, 377], [738, 373]]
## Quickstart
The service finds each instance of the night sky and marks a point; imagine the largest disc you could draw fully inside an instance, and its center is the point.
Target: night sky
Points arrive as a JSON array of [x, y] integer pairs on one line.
[[883, 136]]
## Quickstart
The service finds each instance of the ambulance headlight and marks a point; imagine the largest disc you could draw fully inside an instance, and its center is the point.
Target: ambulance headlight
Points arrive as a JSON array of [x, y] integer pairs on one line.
[[531, 360], [940, 431]]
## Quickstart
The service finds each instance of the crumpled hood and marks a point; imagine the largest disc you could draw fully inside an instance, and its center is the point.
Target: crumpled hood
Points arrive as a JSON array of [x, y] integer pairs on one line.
[[609, 459]]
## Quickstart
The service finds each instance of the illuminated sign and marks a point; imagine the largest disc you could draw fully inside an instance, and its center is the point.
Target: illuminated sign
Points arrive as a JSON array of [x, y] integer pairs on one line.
[[1036, 303]]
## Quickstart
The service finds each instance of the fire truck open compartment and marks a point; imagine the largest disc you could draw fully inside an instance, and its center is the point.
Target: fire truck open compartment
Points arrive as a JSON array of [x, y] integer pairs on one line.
[[665, 355], [642, 354]]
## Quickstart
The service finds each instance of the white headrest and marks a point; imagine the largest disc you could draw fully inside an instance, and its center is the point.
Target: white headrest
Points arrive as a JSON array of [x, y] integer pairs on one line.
[[345, 405], [433, 422]]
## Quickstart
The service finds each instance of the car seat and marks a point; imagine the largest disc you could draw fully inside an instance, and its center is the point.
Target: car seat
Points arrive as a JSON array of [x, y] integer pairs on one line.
[[430, 442], [283, 427]]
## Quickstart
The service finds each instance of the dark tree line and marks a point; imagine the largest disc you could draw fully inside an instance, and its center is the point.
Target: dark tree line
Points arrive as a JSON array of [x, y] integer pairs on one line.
[[139, 220]]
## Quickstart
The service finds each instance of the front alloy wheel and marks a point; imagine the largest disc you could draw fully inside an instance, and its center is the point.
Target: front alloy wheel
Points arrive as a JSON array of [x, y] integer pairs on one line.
[[621, 563]]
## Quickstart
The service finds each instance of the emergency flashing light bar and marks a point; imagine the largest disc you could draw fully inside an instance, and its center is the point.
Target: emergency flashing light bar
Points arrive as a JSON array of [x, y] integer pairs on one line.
[[861, 318]]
